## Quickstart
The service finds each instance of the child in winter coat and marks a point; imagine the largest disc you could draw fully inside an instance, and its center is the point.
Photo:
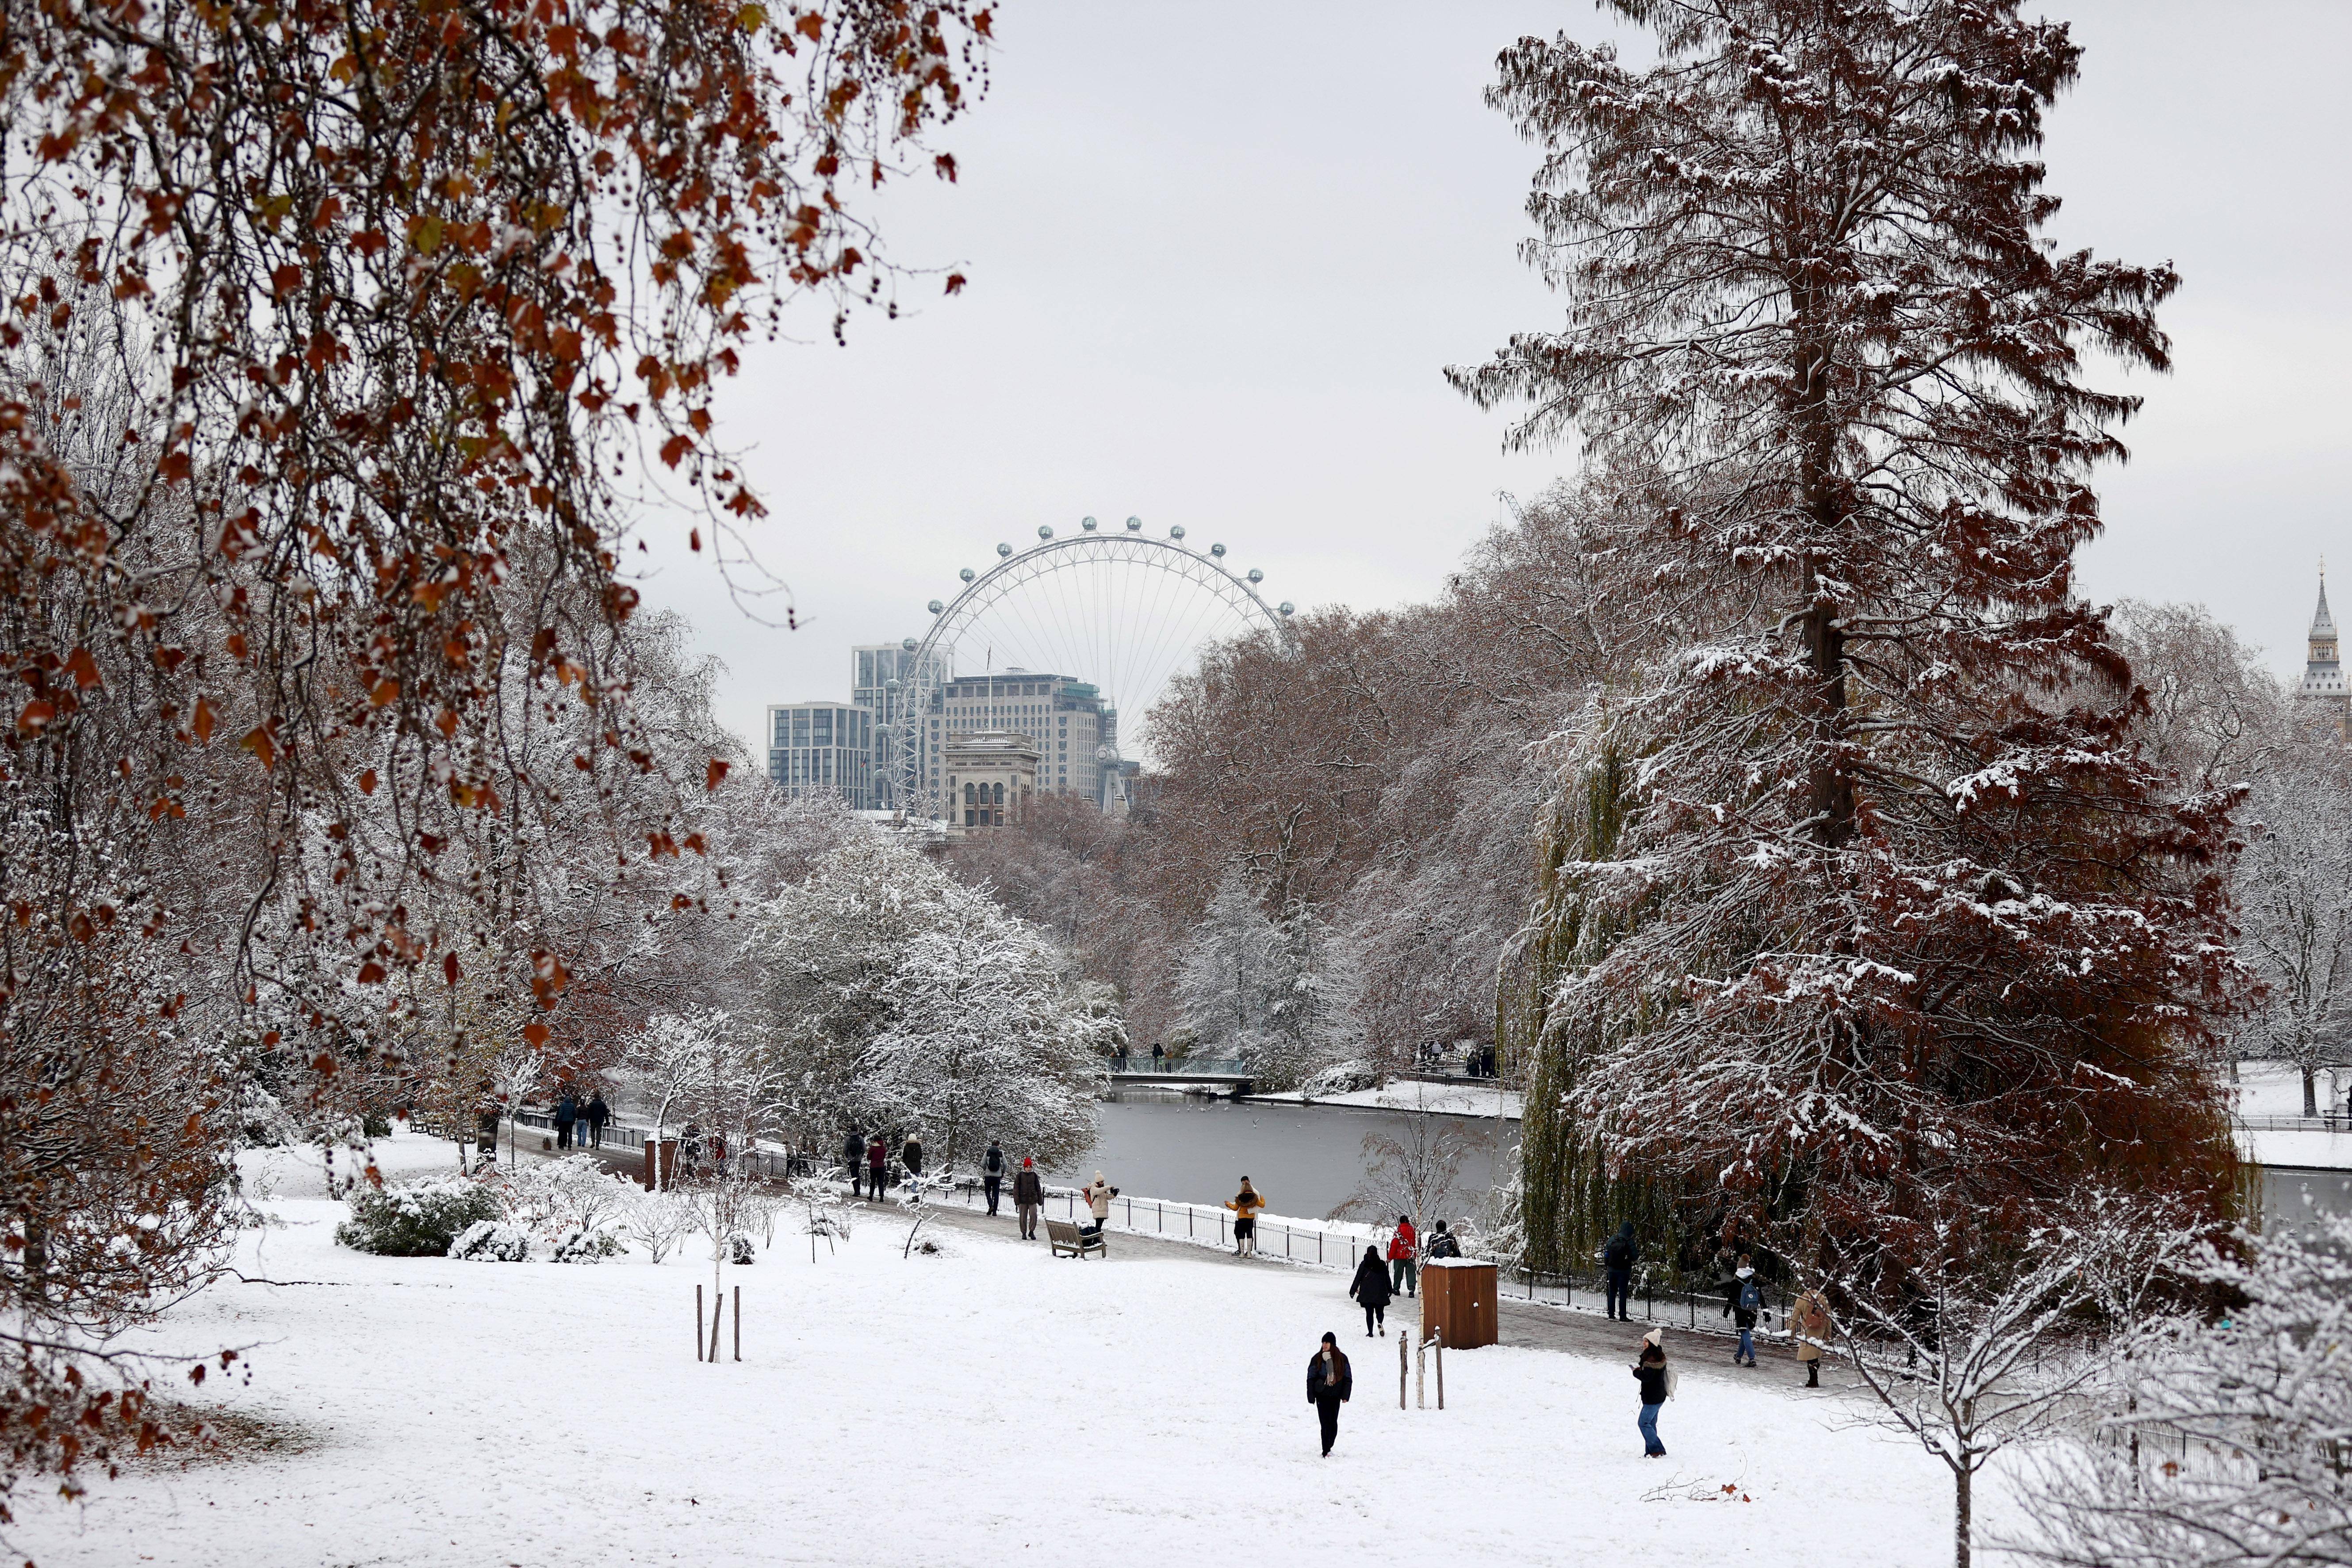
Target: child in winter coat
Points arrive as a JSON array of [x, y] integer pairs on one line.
[[1657, 1387]]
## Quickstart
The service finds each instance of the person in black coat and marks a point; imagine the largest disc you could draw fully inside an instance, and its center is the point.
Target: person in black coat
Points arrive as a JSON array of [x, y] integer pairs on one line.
[[598, 1113], [1619, 1257], [567, 1111], [1329, 1381], [991, 1172], [1372, 1291], [1650, 1371], [1443, 1244], [852, 1156]]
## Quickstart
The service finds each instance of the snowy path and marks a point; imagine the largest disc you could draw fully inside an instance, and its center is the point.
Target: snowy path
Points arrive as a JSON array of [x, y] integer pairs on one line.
[[989, 1406]]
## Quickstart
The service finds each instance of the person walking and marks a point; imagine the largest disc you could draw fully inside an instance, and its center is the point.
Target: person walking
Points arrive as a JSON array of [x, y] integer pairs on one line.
[[1657, 1386], [1097, 1195], [567, 1112], [1028, 1197], [1618, 1258], [1329, 1381], [1808, 1321], [1745, 1307], [992, 1174], [598, 1114], [1245, 1205], [911, 1155], [1443, 1244], [877, 1168], [1159, 1057], [1404, 1254], [1372, 1292], [853, 1160]]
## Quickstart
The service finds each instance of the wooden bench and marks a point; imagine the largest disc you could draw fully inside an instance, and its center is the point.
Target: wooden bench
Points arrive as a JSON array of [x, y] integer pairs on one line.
[[1065, 1237]]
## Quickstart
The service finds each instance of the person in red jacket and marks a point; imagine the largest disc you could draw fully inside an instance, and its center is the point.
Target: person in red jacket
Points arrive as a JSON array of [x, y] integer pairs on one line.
[[1404, 1248], [878, 1167]]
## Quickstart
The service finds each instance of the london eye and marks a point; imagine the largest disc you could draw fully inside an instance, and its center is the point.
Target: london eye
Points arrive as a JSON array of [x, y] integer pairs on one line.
[[1109, 615]]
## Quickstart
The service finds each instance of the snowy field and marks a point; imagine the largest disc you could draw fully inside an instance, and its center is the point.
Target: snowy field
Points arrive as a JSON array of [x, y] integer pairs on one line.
[[989, 1407]]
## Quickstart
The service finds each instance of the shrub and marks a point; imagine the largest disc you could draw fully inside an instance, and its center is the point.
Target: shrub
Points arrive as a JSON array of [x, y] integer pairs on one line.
[[414, 1221], [490, 1241], [1342, 1077], [588, 1246]]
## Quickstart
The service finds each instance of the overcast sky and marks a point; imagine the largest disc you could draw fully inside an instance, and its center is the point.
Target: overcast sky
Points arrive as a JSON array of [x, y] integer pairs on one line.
[[1220, 254]]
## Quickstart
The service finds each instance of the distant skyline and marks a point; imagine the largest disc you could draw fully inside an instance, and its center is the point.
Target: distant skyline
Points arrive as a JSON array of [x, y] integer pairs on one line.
[[1220, 256]]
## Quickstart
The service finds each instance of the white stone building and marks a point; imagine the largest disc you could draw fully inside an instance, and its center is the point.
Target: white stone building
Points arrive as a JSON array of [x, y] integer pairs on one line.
[[992, 777]]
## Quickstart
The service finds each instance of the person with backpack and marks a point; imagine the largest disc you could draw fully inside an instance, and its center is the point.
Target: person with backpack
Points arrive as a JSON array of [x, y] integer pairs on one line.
[[1657, 1382], [853, 1160], [1372, 1292], [992, 1174], [1746, 1305], [1245, 1205], [1618, 1258], [1443, 1244], [1405, 1252], [1028, 1197], [1330, 1382]]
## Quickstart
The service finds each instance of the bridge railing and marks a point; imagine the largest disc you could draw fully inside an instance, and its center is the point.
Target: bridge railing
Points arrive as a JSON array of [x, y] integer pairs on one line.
[[1184, 1066]]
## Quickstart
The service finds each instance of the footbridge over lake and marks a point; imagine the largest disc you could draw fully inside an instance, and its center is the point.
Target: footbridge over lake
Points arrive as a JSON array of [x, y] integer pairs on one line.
[[1215, 1075]]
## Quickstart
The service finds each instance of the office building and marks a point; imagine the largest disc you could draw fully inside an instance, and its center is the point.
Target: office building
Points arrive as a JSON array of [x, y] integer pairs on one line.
[[824, 746]]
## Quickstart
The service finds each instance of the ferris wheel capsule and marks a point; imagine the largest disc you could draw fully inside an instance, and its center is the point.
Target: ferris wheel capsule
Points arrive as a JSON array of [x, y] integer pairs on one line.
[[1005, 549], [1286, 607], [1217, 550], [1177, 532], [908, 644], [935, 606], [1087, 523], [967, 573], [1043, 532], [1255, 576], [1134, 525]]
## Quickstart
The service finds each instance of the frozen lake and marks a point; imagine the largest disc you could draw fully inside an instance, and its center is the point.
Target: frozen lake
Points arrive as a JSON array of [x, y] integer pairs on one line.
[[1305, 1160]]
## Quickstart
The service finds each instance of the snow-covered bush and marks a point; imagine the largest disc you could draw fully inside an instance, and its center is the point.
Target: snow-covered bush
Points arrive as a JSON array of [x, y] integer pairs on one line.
[[490, 1241], [1281, 994], [658, 1221], [741, 1250], [417, 1220], [1341, 1077], [588, 1246], [557, 1198]]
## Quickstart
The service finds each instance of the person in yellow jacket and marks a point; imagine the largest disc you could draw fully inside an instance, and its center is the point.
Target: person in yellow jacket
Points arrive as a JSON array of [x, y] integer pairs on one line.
[[1245, 1205]]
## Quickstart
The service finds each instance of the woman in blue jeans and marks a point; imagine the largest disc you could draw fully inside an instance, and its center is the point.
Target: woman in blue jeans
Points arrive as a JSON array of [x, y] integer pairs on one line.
[[1650, 1371]]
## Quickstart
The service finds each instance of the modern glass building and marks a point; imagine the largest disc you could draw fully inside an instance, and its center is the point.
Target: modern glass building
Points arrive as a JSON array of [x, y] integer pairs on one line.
[[824, 746]]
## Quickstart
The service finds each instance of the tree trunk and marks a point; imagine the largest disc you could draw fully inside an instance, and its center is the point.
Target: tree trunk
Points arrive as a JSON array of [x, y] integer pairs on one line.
[[2310, 1091], [1962, 1476]]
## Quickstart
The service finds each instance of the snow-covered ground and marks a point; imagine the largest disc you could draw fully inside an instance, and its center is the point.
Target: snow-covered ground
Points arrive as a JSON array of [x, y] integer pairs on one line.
[[994, 1405], [1463, 1098], [2276, 1088]]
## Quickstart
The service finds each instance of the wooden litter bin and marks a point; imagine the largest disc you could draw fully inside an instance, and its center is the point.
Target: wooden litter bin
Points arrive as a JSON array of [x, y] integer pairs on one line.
[[1458, 1299], [661, 1163]]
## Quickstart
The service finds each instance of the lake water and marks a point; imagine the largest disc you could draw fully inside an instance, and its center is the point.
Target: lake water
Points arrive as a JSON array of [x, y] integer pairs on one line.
[[1305, 1160]]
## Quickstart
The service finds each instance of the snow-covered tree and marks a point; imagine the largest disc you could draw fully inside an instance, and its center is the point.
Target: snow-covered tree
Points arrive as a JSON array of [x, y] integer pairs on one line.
[[670, 1058], [2295, 899], [891, 992], [2222, 1443], [1226, 987], [993, 1036], [1869, 888], [1313, 994], [1974, 1340]]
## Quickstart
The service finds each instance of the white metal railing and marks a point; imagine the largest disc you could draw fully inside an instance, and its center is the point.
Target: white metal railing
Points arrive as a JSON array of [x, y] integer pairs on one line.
[[2335, 1122], [1328, 1243]]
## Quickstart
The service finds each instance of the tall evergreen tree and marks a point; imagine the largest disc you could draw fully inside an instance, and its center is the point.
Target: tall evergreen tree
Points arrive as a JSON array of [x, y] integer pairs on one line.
[[1869, 904]]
